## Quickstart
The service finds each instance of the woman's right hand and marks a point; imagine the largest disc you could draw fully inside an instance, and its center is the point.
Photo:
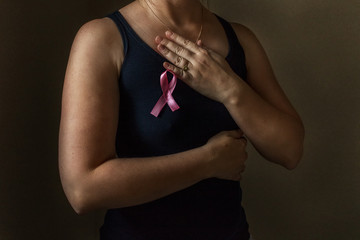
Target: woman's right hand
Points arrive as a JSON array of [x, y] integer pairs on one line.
[[228, 155]]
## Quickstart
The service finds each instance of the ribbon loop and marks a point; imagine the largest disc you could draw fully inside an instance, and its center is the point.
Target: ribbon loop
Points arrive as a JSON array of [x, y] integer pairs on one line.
[[167, 89]]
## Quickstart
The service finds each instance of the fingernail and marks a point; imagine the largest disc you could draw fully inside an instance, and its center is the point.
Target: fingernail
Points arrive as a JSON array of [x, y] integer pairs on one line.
[[169, 33], [158, 39]]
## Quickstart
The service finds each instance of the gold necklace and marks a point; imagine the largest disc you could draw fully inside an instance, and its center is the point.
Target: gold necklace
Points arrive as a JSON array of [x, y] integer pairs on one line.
[[202, 18]]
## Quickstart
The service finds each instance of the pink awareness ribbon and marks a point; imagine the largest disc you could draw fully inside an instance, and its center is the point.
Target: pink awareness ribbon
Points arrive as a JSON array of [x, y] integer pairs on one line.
[[167, 89]]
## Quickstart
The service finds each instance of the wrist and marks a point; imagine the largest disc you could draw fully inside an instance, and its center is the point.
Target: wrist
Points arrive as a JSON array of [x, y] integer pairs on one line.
[[207, 160], [233, 92]]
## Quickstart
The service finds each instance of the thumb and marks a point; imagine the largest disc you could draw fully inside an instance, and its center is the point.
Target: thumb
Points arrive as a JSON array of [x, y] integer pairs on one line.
[[212, 53], [200, 44], [235, 133]]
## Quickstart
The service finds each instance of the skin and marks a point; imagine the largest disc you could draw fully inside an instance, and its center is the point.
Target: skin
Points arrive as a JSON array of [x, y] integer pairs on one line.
[[274, 129], [94, 178]]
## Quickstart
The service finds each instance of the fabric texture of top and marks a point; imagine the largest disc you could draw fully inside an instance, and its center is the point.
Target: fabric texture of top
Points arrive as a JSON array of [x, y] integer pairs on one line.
[[210, 209]]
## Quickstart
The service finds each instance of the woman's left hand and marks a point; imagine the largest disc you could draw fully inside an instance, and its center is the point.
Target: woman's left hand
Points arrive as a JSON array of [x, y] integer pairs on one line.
[[204, 70]]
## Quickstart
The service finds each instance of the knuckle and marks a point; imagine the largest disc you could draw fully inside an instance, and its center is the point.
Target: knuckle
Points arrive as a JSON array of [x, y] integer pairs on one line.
[[179, 50], [174, 36], [243, 142], [165, 51], [189, 64], [202, 59], [173, 68], [178, 60], [227, 140], [164, 41], [197, 76], [176, 70], [203, 51]]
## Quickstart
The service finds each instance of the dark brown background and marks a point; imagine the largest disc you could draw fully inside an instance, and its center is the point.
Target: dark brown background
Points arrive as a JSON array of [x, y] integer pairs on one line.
[[314, 49]]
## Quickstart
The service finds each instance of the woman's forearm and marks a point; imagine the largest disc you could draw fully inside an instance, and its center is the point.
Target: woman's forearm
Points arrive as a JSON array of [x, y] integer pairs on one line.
[[123, 182], [277, 135]]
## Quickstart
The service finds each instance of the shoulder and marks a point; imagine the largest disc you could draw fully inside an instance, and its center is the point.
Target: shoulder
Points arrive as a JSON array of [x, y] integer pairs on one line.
[[98, 31], [256, 57], [246, 37], [242, 29], [100, 37]]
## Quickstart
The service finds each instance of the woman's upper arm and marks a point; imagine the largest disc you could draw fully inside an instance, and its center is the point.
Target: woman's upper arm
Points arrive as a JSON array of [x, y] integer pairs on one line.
[[90, 100], [260, 75]]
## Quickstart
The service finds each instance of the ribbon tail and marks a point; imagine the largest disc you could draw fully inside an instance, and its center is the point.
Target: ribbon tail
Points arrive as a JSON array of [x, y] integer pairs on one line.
[[172, 103], [158, 106]]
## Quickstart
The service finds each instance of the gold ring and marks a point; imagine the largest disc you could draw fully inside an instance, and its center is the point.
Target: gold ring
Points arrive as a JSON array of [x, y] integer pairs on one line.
[[185, 68]]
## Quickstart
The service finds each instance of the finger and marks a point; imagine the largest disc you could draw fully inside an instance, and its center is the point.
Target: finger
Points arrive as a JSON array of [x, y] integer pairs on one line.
[[213, 54], [178, 64], [179, 73], [235, 133], [182, 41], [244, 140], [165, 46], [202, 47], [178, 61]]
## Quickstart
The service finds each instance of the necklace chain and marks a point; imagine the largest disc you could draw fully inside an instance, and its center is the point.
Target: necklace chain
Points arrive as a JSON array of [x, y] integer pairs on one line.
[[202, 18]]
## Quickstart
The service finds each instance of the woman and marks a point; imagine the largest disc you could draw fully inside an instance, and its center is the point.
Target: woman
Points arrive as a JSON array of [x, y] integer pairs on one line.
[[166, 158]]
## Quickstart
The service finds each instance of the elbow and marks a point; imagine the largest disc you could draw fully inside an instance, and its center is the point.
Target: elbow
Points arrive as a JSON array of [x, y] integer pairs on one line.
[[291, 164], [79, 202], [78, 196], [294, 155], [292, 160], [288, 149], [80, 206], [77, 186]]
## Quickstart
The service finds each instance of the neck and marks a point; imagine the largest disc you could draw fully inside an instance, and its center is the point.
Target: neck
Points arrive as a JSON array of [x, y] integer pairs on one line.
[[176, 13]]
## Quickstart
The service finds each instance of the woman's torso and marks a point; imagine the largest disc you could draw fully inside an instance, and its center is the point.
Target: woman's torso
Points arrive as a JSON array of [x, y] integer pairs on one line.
[[210, 209]]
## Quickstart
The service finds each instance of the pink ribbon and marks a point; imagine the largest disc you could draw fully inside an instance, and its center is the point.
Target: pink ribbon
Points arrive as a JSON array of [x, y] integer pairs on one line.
[[167, 89]]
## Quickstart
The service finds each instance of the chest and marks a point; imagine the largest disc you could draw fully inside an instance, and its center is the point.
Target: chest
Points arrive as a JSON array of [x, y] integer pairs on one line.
[[198, 119], [213, 34]]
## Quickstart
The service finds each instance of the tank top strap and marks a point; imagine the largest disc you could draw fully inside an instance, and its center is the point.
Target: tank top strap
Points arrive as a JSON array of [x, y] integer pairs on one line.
[[230, 33], [122, 25], [236, 51]]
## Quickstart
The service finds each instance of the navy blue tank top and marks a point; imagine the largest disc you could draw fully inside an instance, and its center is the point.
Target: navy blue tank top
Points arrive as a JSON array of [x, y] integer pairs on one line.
[[210, 209]]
